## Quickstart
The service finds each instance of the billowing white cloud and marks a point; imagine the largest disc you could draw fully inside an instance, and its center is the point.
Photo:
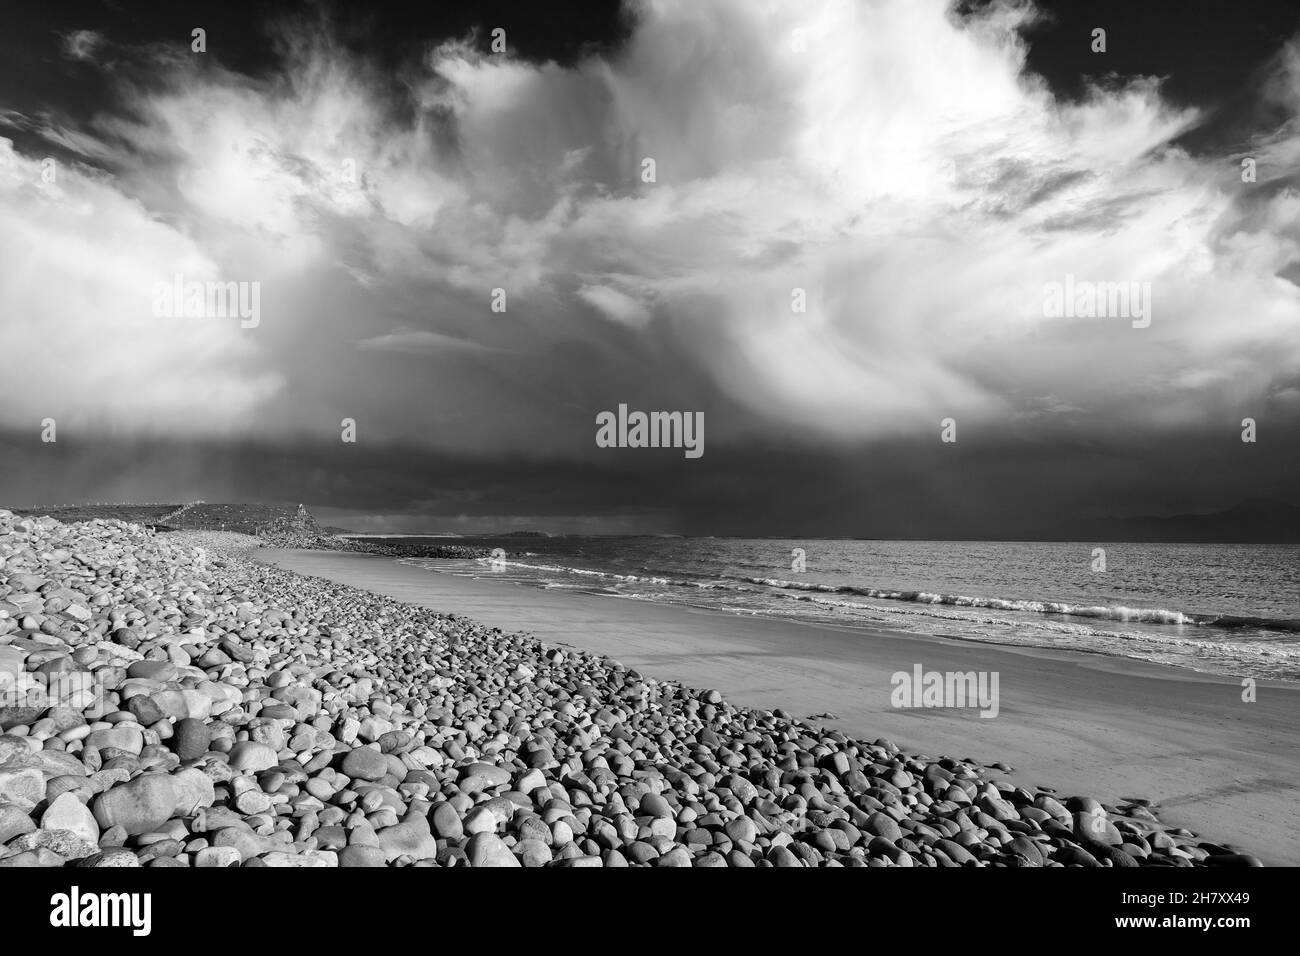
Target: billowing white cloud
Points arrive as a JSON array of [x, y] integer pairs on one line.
[[83, 345], [888, 159]]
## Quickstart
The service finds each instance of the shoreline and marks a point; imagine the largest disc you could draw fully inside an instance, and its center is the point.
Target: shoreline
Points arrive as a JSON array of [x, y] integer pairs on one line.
[[1083, 723]]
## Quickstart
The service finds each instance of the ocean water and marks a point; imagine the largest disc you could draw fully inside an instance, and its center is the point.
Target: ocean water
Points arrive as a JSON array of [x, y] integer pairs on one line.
[[1230, 609]]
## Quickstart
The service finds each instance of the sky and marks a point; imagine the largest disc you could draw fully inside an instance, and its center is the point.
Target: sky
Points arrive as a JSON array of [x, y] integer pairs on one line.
[[916, 175]]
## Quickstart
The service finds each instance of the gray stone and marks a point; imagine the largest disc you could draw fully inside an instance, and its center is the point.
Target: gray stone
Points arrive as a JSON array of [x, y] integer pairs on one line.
[[23, 788], [14, 822], [190, 738], [362, 856], [140, 805], [409, 838], [446, 822], [482, 776], [66, 812], [365, 763], [487, 849], [251, 757]]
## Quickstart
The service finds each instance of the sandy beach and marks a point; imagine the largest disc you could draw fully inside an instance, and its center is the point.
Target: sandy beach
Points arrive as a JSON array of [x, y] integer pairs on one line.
[[1080, 723]]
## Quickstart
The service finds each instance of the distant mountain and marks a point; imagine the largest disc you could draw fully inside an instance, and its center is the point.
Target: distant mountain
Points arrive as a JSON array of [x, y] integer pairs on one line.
[[1257, 521]]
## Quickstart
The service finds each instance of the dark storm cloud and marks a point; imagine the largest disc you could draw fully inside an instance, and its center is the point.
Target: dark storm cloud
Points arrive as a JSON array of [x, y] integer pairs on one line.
[[895, 489]]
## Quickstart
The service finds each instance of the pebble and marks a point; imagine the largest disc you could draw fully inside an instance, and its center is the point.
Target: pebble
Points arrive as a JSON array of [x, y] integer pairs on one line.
[[140, 805], [66, 812], [252, 801], [884, 826], [14, 821], [410, 838], [127, 739], [1075, 856], [219, 856], [446, 822], [742, 830], [487, 849], [111, 859], [365, 763], [160, 671], [1095, 826], [481, 820], [194, 791], [677, 856], [251, 757], [190, 738], [654, 805], [363, 856], [537, 853], [482, 776]]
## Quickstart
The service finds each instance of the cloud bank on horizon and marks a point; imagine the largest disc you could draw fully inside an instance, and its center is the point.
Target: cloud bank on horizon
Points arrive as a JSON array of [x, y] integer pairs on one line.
[[894, 161]]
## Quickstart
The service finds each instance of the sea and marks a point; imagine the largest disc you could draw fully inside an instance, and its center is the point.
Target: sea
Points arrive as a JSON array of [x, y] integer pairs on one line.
[[1225, 609]]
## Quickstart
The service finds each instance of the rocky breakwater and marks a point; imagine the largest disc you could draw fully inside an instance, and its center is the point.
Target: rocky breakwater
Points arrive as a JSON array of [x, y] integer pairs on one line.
[[292, 534], [416, 550], [204, 710]]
